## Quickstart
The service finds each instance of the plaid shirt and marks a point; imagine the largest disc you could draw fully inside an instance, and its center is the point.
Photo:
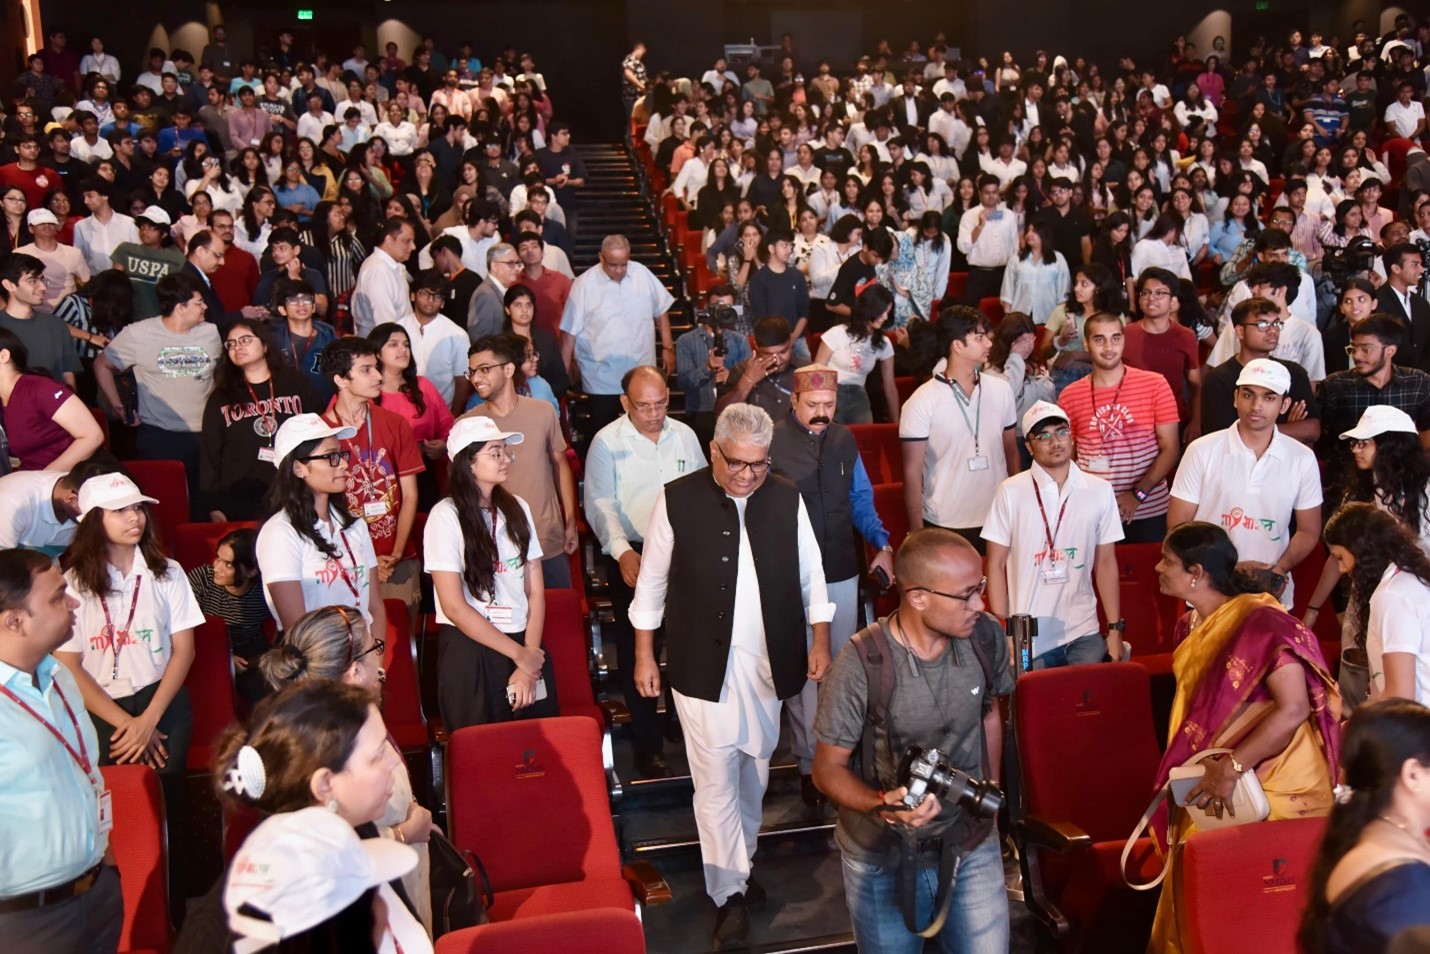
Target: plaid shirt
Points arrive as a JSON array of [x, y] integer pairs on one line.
[[1344, 397]]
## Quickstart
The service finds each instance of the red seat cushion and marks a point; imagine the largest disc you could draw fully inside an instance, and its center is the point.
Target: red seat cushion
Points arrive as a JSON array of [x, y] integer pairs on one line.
[[620, 933], [555, 898]]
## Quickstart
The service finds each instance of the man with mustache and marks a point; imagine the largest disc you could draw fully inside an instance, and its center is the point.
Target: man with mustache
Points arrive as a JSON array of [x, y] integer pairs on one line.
[[822, 460]]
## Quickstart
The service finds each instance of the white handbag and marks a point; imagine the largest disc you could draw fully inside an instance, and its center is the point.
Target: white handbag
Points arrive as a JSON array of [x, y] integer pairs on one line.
[[1248, 801]]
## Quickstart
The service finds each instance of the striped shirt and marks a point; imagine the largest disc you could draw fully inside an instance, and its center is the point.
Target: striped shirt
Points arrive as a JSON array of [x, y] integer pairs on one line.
[[1119, 423]]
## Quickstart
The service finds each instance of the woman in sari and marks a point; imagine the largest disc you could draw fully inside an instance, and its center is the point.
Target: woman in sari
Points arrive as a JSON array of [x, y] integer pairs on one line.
[[1250, 678]]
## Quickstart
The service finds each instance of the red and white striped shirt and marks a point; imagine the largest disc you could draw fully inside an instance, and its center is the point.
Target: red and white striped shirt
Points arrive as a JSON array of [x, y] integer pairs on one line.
[[1119, 423]]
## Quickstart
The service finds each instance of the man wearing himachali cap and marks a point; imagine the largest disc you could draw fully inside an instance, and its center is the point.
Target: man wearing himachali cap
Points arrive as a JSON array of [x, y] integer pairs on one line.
[[1044, 556], [1251, 479]]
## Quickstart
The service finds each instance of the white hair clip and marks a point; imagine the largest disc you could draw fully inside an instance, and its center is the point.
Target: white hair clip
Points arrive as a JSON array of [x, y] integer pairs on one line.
[[1343, 794], [248, 776]]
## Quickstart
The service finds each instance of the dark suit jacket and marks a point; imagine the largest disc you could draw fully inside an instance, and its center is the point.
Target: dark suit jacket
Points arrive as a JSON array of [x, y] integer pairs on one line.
[[1418, 322], [216, 313]]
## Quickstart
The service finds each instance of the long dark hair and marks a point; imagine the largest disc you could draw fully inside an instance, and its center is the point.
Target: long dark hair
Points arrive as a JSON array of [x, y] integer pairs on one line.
[[88, 553], [478, 547], [242, 542], [1379, 739], [251, 226], [19, 354], [1014, 325], [229, 383], [291, 496], [1190, 312], [1206, 545], [1107, 293], [379, 337], [1376, 539], [870, 301], [1397, 477], [1044, 231], [111, 302]]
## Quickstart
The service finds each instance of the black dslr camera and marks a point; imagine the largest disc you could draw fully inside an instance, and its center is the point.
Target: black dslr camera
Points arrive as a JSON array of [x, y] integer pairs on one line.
[[925, 772], [718, 317], [1356, 258]]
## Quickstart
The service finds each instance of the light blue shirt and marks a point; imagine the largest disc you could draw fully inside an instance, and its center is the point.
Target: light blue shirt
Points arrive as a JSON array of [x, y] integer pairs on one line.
[[612, 324], [625, 473], [49, 809]]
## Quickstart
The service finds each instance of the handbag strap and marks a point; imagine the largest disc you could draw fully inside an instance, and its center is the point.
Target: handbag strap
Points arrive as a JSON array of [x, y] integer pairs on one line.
[[1162, 794]]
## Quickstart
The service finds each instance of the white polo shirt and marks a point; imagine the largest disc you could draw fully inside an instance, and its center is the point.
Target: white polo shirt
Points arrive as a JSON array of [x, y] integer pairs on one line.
[[1251, 499], [1065, 611], [1400, 623], [957, 489], [163, 607], [27, 511], [444, 549]]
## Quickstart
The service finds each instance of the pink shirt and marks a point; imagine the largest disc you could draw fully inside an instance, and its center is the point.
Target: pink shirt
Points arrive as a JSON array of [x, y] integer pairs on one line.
[[434, 423]]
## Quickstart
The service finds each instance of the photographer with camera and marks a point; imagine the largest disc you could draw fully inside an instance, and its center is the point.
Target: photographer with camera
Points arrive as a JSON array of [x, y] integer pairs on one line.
[[704, 356], [920, 842]]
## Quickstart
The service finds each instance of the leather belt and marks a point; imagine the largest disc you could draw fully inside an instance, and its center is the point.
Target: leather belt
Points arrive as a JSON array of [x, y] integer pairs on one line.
[[48, 896]]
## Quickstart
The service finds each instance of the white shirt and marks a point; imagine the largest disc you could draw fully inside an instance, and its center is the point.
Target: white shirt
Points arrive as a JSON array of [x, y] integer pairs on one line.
[[440, 350], [311, 126], [1404, 118], [825, 260], [84, 152], [163, 607], [286, 556], [956, 496], [401, 139], [27, 511], [444, 550], [611, 322], [1154, 253], [1252, 498], [97, 240], [998, 241], [474, 251], [719, 80], [1065, 611], [101, 63], [694, 173], [748, 713], [1399, 623], [380, 293], [1005, 172], [1300, 342], [1256, 166], [625, 473], [854, 360]]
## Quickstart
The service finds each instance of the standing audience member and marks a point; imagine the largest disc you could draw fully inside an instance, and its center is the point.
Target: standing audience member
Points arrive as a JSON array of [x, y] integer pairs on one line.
[[1258, 325], [46, 426], [49, 346], [988, 238], [1156, 342], [101, 232], [857, 348], [699, 369], [766, 378], [381, 291], [439, 344]]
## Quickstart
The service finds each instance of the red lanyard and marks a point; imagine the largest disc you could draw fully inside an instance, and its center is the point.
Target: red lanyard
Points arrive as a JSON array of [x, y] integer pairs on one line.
[[343, 571], [270, 420], [307, 346], [117, 640], [1052, 532], [496, 545], [82, 756]]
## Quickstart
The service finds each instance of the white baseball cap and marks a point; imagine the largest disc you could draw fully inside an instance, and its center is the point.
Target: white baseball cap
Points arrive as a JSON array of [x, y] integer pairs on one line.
[[477, 429], [1039, 412], [1380, 419], [298, 869], [155, 216], [41, 217], [1265, 373], [112, 492], [301, 428]]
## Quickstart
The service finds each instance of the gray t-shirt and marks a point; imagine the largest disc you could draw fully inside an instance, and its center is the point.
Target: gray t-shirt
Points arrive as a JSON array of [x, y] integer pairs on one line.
[[174, 372], [48, 341], [940, 707]]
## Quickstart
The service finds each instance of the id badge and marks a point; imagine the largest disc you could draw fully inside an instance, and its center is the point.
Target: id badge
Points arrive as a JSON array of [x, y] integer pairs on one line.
[[1054, 571], [106, 812], [371, 511], [499, 615], [120, 689], [978, 463], [1099, 465], [267, 455]]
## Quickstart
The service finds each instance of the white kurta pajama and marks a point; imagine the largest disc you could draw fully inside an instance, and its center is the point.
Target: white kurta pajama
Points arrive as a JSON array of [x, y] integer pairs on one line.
[[729, 743]]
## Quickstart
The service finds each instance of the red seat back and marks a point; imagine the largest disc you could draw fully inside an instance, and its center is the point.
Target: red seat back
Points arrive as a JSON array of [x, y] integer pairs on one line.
[[210, 685], [564, 637], [401, 695], [1072, 718], [1245, 887], [889, 503], [992, 309], [140, 841], [619, 932], [957, 285], [194, 544], [163, 480], [548, 769], [1393, 151], [880, 451], [102, 419], [1151, 616]]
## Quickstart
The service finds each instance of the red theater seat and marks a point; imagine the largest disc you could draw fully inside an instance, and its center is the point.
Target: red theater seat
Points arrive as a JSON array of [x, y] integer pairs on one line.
[[140, 842]]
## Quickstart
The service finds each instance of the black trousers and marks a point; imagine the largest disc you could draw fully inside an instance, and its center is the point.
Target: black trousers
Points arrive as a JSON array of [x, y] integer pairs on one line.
[[1146, 530], [177, 723], [604, 408], [973, 535], [647, 724], [982, 283], [471, 682], [88, 924]]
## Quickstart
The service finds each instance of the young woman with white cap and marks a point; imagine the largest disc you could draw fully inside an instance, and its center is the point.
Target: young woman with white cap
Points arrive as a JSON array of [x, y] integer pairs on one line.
[[484, 557], [133, 639], [312, 552]]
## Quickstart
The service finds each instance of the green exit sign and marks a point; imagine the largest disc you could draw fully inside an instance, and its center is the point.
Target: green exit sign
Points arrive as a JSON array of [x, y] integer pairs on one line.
[[1263, 4], [308, 14]]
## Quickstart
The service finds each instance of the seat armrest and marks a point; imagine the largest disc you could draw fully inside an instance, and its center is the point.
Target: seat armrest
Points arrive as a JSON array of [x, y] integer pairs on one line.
[[616, 711], [1061, 837], [438, 728], [646, 882], [602, 609]]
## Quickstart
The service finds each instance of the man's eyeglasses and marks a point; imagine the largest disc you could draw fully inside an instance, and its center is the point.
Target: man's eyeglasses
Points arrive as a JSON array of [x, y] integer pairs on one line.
[[756, 467], [485, 369], [514, 262], [965, 596], [1365, 349], [334, 458], [1045, 436], [242, 341], [646, 407], [1154, 293], [1264, 325], [300, 300]]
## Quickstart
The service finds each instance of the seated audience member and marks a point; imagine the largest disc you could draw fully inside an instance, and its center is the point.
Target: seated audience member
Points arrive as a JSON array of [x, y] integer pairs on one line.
[[1257, 324], [333, 643], [229, 587], [490, 595], [46, 425], [254, 393], [313, 551], [49, 347], [1041, 568], [1284, 725], [1370, 882]]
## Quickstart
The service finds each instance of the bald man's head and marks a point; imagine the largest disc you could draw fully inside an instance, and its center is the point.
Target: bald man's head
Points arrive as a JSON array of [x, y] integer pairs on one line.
[[642, 376], [931, 553], [646, 399]]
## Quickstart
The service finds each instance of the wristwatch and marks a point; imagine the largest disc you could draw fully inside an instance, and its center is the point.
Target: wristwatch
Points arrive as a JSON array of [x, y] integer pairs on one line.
[[1140, 494], [1118, 627], [886, 548]]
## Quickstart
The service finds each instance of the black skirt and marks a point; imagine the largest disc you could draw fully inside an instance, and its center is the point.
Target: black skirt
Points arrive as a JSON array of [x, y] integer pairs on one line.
[[472, 679]]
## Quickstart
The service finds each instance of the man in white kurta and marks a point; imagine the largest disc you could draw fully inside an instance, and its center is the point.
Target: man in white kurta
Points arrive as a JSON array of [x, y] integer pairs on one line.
[[729, 742]]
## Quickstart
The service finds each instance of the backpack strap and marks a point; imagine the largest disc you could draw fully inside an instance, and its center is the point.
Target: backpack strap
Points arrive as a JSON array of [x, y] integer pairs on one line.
[[872, 645], [984, 661]]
